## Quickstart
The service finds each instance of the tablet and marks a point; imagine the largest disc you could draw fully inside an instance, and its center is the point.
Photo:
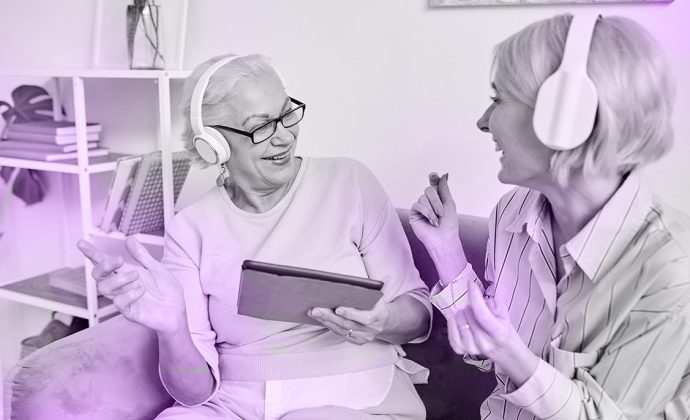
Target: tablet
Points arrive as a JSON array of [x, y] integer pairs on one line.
[[283, 293]]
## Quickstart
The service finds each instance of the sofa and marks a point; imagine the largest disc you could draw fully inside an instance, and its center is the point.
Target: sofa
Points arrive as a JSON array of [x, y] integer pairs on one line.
[[110, 371]]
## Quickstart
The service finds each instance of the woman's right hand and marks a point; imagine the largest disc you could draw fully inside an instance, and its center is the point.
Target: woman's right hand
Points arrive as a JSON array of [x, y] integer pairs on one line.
[[151, 296], [434, 221]]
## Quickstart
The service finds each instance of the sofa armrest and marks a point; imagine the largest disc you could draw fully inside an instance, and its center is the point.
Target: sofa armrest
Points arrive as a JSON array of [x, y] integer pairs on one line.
[[109, 371]]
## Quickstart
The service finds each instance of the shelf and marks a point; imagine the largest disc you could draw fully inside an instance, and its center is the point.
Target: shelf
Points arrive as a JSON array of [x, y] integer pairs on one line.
[[144, 238], [37, 292], [98, 73], [70, 166]]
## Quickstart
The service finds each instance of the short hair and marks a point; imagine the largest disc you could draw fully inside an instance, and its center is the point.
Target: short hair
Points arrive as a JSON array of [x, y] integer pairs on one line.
[[633, 80], [219, 92]]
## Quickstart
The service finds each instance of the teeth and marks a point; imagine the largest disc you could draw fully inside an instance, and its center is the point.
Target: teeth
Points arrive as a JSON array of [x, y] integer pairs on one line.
[[278, 157]]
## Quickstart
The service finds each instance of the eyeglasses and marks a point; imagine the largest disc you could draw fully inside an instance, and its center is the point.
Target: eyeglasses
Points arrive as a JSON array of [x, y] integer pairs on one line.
[[265, 131]]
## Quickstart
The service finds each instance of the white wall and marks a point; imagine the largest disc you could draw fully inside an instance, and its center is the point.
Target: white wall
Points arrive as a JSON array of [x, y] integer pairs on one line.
[[392, 83]]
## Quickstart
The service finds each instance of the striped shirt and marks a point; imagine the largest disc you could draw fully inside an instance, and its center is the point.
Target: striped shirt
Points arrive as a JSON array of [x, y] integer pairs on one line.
[[613, 334]]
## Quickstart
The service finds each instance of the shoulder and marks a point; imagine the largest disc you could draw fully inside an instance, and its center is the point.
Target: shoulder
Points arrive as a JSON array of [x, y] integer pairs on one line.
[[338, 165], [513, 204], [193, 217], [342, 170], [666, 250]]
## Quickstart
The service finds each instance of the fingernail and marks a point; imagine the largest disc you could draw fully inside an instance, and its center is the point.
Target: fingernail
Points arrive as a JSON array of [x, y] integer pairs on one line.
[[315, 312], [435, 223], [446, 176], [339, 311]]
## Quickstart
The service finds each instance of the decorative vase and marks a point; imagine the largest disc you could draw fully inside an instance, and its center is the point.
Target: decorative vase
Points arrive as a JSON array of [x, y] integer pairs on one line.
[[144, 43]]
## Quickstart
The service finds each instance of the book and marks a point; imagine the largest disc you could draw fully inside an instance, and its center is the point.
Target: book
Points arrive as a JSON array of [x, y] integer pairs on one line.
[[49, 156], [120, 185], [44, 147], [70, 280], [48, 138], [144, 207], [59, 128]]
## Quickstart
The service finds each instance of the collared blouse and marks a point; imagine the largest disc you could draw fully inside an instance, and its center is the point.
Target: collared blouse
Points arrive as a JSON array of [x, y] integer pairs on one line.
[[613, 333]]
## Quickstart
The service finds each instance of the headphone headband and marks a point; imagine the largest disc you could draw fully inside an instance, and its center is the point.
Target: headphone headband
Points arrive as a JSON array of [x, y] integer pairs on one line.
[[200, 89]]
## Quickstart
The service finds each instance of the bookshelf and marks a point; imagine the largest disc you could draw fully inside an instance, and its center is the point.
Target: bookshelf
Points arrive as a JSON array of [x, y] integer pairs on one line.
[[35, 290]]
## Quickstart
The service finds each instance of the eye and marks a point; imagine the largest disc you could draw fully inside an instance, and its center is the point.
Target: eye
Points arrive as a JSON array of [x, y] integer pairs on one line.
[[494, 98]]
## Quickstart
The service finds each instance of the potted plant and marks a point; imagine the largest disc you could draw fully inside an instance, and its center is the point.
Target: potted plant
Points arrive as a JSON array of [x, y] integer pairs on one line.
[[144, 35]]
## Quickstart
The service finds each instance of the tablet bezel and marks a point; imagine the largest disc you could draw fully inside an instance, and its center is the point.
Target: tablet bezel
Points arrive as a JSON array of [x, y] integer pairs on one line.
[[285, 270]]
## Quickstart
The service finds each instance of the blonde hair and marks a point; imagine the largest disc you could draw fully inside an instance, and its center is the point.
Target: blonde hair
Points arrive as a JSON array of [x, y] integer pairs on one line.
[[633, 80], [219, 92]]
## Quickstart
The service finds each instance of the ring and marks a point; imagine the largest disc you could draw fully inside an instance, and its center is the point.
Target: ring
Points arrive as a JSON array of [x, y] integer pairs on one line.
[[348, 333], [464, 327]]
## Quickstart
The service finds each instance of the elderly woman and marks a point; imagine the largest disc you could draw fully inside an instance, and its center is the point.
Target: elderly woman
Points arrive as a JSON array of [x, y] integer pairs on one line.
[[586, 309], [272, 205]]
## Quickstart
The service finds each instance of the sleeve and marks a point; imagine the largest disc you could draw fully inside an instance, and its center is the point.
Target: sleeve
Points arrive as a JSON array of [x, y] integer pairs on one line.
[[186, 271], [637, 374], [384, 247], [451, 298]]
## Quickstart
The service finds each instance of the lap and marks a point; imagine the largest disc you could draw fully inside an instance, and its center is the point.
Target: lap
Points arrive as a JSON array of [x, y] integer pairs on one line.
[[401, 403]]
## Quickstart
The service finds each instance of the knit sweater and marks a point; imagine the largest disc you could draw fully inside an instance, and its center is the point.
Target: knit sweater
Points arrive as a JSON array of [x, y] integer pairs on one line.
[[335, 217]]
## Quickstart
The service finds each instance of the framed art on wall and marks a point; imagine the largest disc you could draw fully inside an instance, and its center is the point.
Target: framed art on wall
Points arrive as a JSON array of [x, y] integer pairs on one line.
[[447, 3]]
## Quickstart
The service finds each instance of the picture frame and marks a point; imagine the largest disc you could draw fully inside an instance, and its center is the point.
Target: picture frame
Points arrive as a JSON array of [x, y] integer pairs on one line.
[[452, 3]]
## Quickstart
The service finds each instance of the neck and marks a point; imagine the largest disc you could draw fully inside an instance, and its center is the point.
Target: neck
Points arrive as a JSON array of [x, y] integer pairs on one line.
[[257, 199], [574, 206]]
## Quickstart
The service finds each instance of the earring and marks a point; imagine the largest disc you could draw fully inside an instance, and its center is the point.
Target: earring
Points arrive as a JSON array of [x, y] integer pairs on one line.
[[223, 176]]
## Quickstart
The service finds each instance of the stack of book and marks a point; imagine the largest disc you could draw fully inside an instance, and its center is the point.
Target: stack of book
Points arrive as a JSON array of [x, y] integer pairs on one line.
[[49, 141], [70, 279], [135, 197]]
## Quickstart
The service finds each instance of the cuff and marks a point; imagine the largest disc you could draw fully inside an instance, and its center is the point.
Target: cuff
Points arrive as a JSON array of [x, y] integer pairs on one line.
[[547, 394], [453, 297], [212, 362]]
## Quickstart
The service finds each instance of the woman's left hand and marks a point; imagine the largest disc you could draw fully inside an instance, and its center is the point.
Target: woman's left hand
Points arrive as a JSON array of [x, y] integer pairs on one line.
[[482, 328], [356, 326]]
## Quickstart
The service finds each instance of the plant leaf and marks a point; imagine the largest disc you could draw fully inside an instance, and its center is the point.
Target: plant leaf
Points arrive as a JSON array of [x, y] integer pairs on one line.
[[31, 103]]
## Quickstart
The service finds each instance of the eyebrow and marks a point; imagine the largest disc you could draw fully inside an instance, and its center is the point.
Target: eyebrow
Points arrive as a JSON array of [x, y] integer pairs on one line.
[[287, 102], [494, 87]]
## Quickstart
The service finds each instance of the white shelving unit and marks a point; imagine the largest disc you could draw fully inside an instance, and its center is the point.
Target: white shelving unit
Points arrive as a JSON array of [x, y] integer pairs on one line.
[[35, 290]]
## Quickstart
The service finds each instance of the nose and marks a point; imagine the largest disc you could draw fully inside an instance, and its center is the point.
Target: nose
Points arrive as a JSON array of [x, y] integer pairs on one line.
[[282, 135], [483, 121]]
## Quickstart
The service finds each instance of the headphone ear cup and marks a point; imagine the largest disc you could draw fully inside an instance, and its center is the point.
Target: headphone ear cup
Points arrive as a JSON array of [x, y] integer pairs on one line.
[[212, 146]]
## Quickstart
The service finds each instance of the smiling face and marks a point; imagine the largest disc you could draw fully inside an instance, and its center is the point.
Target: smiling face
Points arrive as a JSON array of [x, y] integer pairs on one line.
[[524, 159], [269, 165]]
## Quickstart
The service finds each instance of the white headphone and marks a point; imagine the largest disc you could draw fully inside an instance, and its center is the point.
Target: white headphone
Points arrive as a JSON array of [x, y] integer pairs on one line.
[[566, 106], [208, 141]]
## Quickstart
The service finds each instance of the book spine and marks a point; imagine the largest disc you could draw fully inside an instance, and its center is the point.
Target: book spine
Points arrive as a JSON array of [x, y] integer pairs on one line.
[[69, 130], [48, 138]]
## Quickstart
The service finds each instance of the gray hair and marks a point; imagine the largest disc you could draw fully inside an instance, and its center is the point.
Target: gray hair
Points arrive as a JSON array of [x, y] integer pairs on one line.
[[219, 92], [632, 77]]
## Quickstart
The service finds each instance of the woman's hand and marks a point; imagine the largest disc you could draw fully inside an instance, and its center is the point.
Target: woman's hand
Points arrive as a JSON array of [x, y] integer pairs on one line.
[[151, 296], [483, 328], [354, 325], [434, 221]]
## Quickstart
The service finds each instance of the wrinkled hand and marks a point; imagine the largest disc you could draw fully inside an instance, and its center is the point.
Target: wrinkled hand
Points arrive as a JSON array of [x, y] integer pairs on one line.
[[354, 325], [482, 327], [433, 216], [150, 296]]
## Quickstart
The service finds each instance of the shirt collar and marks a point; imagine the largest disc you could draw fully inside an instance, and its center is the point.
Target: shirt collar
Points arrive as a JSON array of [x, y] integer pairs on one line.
[[533, 215], [603, 240]]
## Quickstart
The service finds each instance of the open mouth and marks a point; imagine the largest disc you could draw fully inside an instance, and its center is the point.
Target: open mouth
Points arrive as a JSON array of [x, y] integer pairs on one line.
[[278, 157]]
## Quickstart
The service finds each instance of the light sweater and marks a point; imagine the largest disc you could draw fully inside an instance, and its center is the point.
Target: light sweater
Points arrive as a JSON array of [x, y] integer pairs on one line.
[[335, 217]]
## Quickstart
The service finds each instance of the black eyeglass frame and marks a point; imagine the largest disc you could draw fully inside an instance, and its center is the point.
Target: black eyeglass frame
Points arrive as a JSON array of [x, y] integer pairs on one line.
[[274, 121]]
